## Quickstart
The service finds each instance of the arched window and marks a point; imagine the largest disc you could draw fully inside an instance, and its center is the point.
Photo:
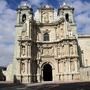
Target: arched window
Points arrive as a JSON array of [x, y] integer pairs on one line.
[[46, 37], [23, 17], [67, 17]]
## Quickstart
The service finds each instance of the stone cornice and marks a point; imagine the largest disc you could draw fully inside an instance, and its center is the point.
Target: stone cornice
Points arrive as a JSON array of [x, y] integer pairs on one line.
[[55, 23], [23, 58], [19, 25], [51, 42], [66, 57], [83, 36], [47, 56]]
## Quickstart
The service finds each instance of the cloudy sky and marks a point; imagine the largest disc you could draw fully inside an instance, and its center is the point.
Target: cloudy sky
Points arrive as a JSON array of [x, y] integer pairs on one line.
[[8, 19]]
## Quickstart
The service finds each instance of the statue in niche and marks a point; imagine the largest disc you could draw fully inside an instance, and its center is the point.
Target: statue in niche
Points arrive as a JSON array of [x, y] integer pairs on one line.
[[71, 49], [23, 50], [45, 17], [22, 67], [72, 66]]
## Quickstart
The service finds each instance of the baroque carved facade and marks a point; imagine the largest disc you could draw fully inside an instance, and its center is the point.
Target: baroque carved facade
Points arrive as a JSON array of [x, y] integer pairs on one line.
[[46, 46]]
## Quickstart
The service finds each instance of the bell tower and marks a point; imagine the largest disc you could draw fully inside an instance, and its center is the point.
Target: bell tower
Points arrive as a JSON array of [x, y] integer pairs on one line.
[[23, 12], [70, 43], [67, 12], [23, 44]]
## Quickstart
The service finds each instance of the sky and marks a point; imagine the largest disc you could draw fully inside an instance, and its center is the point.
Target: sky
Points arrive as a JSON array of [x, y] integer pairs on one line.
[[8, 21]]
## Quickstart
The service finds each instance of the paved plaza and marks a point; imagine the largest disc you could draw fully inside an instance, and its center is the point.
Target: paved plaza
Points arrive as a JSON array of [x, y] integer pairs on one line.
[[49, 86]]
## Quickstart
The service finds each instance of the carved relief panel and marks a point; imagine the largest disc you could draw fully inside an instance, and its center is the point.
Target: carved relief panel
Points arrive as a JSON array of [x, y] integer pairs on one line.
[[47, 51]]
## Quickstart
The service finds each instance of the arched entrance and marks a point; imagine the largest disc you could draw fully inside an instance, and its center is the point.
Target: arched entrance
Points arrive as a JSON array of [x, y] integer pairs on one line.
[[47, 72]]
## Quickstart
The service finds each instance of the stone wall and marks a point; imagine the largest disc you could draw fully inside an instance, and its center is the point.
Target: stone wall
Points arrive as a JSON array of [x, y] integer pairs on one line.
[[84, 42], [85, 74]]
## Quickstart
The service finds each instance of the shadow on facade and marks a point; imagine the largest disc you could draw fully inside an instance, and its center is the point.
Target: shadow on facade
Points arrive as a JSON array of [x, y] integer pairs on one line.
[[80, 56], [34, 54], [15, 80], [2, 76]]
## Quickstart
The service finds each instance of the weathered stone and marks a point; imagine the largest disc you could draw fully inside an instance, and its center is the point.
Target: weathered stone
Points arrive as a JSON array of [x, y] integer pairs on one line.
[[46, 46]]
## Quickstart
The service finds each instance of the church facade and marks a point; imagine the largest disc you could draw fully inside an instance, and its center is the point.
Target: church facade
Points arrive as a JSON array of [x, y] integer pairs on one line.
[[47, 45]]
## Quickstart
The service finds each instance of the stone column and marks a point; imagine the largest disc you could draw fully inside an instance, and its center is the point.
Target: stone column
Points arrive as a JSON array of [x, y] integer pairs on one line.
[[67, 50], [69, 77], [75, 49], [57, 61], [26, 49], [60, 67], [18, 17], [38, 74], [19, 50], [19, 68], [60, 51], [26, 67], [28, 24], [29, 67], [55, 50], [29, 50], [29, 71], [76, 65], [69, 65]]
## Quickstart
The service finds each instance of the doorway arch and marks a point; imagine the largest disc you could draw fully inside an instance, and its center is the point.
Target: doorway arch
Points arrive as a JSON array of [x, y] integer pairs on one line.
[[47, 72]]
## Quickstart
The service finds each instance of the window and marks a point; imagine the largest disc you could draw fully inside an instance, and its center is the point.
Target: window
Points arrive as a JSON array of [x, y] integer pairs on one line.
[[23, 18], [46, 37], [67, 17]]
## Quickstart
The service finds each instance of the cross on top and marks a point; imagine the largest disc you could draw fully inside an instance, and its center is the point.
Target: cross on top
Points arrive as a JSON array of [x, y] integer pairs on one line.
[[24, 2], [65, 2]]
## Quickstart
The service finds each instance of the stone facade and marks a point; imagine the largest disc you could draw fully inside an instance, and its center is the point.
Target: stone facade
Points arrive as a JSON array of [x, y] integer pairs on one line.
[[46, 46]]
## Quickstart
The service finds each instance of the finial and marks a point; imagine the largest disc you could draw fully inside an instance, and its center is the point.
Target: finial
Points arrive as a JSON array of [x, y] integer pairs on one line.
[[65, 2], [24, 2]]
